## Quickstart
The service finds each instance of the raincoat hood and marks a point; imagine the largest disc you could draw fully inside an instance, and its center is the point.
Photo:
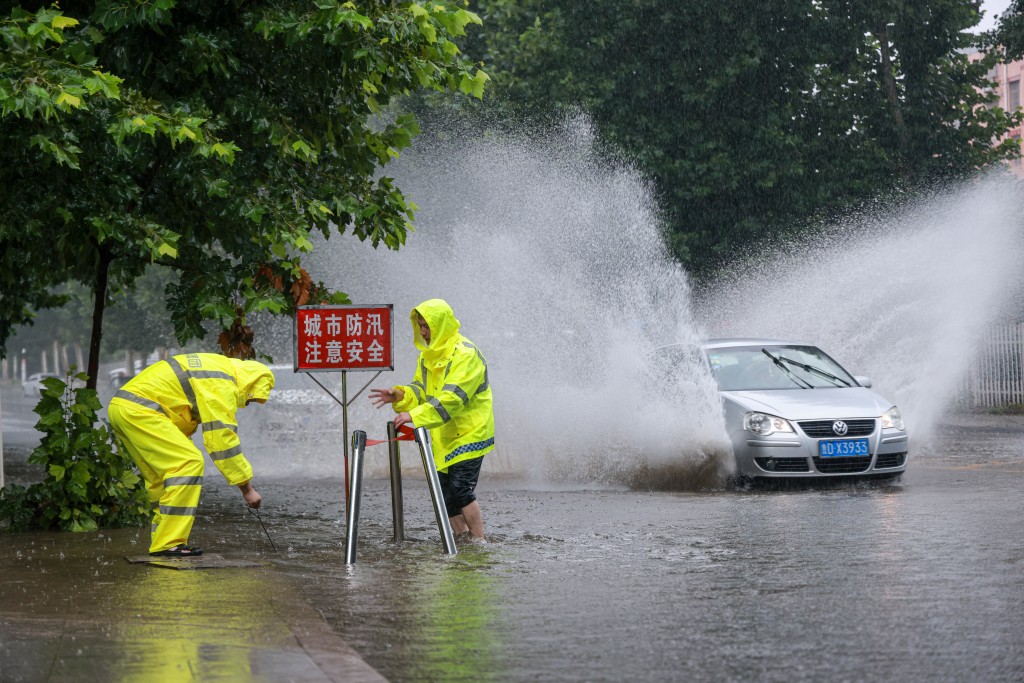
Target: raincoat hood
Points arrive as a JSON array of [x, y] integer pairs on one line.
[[255, 380], [444, 328]]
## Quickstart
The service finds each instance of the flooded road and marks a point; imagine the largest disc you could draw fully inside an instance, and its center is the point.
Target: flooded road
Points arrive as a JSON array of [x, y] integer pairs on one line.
[[916, 579]]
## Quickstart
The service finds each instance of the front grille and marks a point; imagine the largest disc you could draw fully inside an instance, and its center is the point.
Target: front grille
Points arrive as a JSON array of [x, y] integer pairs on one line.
[[851, 465], [822, 429], [784, 464], [890, 460]]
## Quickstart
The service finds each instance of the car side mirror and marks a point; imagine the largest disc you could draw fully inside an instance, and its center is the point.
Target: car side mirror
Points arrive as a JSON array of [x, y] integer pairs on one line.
[[863, 381]]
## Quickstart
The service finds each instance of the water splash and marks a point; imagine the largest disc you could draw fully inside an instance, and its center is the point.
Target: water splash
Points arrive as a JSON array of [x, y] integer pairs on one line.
[[903, 296], [552, 259]]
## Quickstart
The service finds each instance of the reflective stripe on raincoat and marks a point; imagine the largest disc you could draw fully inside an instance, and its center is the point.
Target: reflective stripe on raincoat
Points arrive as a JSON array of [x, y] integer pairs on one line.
[[204, 389], [450, 393]]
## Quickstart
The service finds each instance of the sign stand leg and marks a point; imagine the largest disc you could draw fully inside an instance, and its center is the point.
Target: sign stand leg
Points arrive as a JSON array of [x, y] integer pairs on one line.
[[352, 508], [436, 497], [395, 464], [344, 433]]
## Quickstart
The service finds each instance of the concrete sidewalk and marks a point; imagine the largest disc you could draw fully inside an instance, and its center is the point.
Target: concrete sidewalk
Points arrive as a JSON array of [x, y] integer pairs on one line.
[[72, 608]]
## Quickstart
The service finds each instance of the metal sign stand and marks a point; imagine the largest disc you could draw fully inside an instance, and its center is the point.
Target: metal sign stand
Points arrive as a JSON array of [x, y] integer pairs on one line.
[[395, 466], [352, 506], [434, 483], [344, 402], [336, 337]]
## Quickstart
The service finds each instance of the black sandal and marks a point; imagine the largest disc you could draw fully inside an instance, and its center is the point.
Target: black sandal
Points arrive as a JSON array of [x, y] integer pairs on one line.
[[178, 551]]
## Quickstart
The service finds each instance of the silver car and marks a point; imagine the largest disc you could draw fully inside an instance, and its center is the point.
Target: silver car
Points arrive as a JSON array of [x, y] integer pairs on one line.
[[793, 412]]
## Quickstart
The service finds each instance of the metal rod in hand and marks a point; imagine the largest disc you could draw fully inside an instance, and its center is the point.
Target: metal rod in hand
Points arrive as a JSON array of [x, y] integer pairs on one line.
[[355, 495], [427, 454], [255, 512], [395, 462]]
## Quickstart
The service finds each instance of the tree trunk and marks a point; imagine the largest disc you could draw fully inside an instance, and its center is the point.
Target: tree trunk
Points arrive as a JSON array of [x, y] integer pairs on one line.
[[892, 95], [99, 304]]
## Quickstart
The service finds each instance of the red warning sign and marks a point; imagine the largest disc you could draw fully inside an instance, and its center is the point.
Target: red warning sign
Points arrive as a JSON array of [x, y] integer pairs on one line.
[[344, 338]]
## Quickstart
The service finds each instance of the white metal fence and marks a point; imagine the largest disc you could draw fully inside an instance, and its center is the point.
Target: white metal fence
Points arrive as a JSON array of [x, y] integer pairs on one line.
[[997, 376]]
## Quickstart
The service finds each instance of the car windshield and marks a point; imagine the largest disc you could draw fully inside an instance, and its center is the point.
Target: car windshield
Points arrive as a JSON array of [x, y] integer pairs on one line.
[[749, 368]]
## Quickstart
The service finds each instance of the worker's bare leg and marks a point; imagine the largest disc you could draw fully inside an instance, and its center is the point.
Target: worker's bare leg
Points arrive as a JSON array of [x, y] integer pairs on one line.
[[470, 519]]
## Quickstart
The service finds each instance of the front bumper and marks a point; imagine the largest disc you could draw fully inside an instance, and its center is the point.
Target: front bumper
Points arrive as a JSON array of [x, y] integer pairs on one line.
[[796, 455]]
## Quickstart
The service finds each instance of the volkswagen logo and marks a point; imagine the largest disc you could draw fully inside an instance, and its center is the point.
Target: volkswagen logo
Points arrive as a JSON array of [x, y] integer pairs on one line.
[[839, 428]]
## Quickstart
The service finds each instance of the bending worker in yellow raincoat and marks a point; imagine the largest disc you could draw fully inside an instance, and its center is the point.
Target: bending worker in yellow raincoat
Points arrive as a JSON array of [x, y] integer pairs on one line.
[[450, 395], [154, 416]]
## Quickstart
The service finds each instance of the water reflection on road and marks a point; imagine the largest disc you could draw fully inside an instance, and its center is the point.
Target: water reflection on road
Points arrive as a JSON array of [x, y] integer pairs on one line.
[[913, 580], [916, 579]]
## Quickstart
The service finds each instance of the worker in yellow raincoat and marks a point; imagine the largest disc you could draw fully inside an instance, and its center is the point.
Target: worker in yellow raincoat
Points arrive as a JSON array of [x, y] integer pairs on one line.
[[154, 416], [451, 396]]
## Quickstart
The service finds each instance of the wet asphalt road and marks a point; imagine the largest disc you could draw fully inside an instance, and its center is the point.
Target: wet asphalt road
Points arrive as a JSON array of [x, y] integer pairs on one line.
[[914, 580], [918, 579]]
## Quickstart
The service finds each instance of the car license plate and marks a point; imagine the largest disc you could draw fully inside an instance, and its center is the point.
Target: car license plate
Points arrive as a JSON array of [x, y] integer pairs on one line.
[[844, 448]]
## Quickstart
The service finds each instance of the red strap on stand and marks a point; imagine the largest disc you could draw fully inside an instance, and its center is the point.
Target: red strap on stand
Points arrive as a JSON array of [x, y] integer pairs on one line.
[[405, 433]]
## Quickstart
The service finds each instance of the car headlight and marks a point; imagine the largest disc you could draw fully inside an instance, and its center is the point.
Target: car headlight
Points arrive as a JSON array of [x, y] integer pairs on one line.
[[765, 424], [891, 419]]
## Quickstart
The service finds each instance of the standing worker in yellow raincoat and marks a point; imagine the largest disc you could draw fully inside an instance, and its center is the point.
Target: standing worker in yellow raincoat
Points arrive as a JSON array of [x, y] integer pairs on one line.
[[450, 395], [154, 416]]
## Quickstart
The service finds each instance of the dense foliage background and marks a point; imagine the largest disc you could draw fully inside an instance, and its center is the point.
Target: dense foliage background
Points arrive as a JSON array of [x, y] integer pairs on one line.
[[756, 118], [172, 156]]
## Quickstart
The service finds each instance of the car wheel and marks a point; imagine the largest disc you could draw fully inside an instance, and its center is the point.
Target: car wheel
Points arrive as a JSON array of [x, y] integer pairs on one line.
[[740, 482]]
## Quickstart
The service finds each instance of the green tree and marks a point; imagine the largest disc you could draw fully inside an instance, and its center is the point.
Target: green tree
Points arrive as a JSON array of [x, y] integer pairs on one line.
[[89, 484], [756, 117], [211, 138], [1007, 38]]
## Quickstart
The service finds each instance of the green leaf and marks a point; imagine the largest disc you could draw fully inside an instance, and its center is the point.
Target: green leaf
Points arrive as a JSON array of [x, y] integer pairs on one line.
[[62, 22], [67, 99], [479, 80], [80, 473]]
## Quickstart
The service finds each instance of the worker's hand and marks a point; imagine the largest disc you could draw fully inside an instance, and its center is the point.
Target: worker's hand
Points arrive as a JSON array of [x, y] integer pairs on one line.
[[252, 497], [382, 397], [401, 419]]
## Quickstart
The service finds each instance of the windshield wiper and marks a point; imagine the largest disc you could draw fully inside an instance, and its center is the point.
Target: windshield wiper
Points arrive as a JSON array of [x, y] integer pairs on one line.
[[816, 370], [789, 373]]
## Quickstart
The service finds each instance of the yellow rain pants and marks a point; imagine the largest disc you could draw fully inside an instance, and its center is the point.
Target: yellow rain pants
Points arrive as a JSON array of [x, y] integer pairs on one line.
[[171, 465]]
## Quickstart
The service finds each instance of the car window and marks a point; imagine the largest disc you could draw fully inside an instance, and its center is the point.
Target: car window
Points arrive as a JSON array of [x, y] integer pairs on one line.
[[750, 369]]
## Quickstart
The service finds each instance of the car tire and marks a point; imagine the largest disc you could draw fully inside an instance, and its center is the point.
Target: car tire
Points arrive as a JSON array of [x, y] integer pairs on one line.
[[740, 482]]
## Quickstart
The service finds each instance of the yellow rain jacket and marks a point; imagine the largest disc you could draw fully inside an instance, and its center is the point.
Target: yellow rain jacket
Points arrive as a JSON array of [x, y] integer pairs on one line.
[[155, 414], [450, 394], [204, 389]]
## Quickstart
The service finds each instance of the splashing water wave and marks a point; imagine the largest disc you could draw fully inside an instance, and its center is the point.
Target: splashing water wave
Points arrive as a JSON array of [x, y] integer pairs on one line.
[[552, 259]]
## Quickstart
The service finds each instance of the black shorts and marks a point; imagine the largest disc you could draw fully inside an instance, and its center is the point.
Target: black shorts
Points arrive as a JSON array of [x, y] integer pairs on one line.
[[458, 484]]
